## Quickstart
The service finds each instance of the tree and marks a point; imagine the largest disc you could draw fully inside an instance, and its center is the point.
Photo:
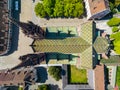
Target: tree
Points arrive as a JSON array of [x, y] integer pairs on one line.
[[117, 46], [112, 7], [40, 11], [55, 72], [43, 87], [78, 7], [114, 22], [49, 5], [115, 29], [59, 8], [116, 42]]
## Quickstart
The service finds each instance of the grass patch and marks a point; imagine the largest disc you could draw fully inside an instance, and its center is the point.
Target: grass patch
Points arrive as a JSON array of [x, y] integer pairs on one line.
[[77, 75], [118, 76], [20, 88]]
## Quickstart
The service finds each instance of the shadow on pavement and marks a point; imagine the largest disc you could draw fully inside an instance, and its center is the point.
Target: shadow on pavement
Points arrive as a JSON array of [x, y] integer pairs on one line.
[[54, 87]]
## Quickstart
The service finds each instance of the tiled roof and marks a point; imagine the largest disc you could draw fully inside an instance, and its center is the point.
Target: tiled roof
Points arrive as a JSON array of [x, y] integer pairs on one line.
[[99, 77], [97, 6], [68, 45], [86, 59], [71, 45], [82, 45], [4, 26], [87, 31], [101, 45], [17, 77]]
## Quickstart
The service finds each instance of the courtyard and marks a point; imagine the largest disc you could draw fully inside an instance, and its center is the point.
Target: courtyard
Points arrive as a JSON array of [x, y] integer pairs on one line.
[[77, 75]]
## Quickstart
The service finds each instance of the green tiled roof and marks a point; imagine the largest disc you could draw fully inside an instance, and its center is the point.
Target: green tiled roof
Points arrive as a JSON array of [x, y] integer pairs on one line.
[[87, 31], [68, 45], [73, 45], [100, 45], [86, 59]]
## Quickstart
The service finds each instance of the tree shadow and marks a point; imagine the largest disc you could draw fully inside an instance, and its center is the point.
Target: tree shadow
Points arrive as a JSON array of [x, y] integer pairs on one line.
[[63, 72], [11, 88], [42, 74], [118, 7], [54, 87]]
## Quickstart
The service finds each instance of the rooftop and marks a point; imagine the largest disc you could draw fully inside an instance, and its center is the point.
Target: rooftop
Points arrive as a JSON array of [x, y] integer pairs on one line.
[[17, 77], [99, 77], [82, 44], [97, 6], [101, 45], [4, 27]]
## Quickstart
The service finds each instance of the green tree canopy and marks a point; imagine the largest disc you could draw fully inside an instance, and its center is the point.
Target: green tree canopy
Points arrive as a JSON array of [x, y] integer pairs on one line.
[[114, 22], [116, 41], [60, 8], [43, 87], [39, 10], [115, 29], [55, 71]]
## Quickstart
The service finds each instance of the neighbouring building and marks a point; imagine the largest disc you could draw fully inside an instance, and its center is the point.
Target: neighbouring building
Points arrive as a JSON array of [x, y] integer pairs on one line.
[[5, 27], [97, 9], [22, 76], [99, 75]]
